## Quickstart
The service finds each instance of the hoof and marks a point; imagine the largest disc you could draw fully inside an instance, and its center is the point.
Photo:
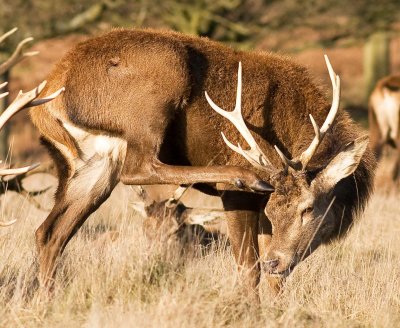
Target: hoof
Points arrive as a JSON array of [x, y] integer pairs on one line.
[[262, 186]]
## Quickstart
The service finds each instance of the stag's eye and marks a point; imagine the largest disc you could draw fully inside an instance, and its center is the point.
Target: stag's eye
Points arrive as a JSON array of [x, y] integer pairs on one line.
[[305, 215]]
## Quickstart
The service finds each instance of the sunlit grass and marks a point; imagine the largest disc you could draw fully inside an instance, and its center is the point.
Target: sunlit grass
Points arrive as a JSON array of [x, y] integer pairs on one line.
[[131, 282]]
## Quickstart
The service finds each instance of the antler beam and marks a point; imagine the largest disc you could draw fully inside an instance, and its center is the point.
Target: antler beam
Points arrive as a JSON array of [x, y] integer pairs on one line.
[[254, 155]]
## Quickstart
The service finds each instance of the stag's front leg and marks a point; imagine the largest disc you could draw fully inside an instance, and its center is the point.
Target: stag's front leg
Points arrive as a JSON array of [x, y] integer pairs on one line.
[[242, 232]]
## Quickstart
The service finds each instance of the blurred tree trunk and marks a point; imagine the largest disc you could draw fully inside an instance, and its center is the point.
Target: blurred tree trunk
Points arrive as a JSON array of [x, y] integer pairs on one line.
[[376, 60], [82, 19], [5, 130]]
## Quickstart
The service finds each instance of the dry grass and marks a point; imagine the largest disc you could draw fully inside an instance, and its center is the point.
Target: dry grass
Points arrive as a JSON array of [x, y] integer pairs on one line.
[[131, 283]]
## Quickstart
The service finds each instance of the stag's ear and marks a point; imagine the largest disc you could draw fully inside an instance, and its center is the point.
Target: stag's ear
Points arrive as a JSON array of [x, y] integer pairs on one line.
[[344, 164]]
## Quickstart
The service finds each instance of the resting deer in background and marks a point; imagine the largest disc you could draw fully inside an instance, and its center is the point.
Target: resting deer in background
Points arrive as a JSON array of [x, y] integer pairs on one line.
[[188, 216], [22, 101], [384, 112], [134, 110]]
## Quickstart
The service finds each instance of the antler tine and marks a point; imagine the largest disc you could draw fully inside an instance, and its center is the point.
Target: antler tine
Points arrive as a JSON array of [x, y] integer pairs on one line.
[[236, 114], [17, 56], [245, 154], [306, 156], [335, 79], [6, 224], [7, 34], [18, 171], [238, 104], [4, 94], [25, 100], [254, 155], [286, 161], [41, 101]]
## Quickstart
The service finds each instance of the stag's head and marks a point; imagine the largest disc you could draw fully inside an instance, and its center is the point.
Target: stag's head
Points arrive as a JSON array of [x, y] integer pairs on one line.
[[300, 208]]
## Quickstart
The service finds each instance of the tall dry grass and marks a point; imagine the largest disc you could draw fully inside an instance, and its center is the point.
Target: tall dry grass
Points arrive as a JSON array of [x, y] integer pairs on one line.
[[132, 283]]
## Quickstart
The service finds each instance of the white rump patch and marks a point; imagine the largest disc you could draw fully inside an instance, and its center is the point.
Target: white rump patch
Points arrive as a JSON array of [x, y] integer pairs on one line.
[[386, 108], [99, 158], [96, 144]]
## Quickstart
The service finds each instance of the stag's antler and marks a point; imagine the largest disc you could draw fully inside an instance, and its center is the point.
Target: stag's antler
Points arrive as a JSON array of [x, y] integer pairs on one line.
[[302, 161], [23, 100], [18, 54], [254, 155]]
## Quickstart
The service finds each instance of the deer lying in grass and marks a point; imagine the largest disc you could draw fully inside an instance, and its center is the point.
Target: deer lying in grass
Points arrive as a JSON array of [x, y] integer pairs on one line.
[[384, 112], [188, 217], [23, 100], [134, 110]]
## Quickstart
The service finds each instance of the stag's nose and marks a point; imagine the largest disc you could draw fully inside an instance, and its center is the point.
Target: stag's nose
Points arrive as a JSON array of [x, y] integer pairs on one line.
[[270, 265]]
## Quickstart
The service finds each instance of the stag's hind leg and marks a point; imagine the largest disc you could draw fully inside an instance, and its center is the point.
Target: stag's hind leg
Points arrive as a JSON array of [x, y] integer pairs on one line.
[[82, 189], [142, 167], [146, 169]]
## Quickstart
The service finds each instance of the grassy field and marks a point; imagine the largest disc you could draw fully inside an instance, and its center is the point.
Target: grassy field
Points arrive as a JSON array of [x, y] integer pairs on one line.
[[129, 282]]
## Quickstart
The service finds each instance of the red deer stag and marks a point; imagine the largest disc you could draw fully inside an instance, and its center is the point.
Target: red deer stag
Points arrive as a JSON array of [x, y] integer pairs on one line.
[[23, 100], [384, 111], [134, 110]]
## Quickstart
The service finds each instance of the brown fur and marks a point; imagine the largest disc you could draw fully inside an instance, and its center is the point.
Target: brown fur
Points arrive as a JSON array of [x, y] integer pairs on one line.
[[147, 87], [49, 124]]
